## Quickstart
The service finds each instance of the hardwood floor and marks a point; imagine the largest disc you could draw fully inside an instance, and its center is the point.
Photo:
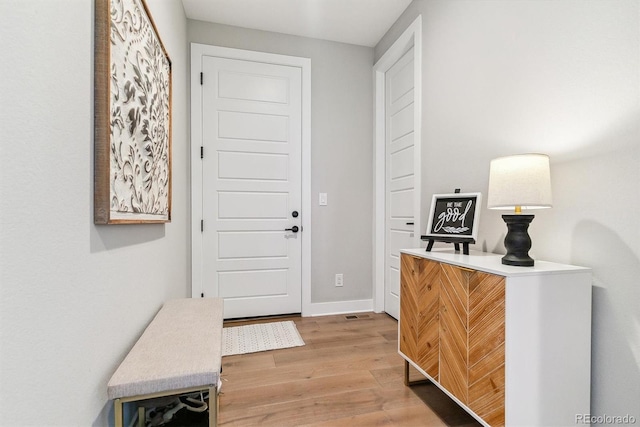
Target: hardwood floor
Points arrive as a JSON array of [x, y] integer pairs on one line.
[[349, 373]]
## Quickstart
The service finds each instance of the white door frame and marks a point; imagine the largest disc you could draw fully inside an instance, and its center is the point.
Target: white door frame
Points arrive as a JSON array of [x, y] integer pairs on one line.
[[197, 52], [412, 36]]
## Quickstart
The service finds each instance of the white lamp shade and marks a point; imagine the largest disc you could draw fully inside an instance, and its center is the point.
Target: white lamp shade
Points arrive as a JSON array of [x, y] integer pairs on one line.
[[522, 180]]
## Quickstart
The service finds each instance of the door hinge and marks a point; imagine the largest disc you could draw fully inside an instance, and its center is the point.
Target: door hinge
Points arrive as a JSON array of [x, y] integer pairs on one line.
[[202, 152], [201, 79], [201, 225]]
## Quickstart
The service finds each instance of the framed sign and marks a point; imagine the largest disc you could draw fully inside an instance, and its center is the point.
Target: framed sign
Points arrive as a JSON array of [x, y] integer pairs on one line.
[[132, 134], [454, 216]]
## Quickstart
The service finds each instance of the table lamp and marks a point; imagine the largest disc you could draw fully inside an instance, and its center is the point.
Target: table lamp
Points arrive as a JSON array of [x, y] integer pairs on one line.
[[519, 182]]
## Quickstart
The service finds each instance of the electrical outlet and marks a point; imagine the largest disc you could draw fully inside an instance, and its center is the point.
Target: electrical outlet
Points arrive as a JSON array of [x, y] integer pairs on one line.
[[339, 279]]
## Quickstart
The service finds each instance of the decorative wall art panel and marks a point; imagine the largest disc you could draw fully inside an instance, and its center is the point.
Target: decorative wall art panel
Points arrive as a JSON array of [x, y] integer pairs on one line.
[[132, 116]]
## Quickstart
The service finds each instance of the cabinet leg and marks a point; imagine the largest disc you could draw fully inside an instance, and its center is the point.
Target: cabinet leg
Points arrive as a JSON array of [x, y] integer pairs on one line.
[[408, 382]]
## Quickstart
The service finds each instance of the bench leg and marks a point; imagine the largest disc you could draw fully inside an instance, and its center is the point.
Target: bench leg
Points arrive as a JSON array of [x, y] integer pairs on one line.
[[117, 412], [213, 406], [142, 416]]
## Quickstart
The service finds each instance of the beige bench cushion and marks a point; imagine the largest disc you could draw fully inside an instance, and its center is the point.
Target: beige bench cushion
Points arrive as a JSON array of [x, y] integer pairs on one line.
[[181, 348]]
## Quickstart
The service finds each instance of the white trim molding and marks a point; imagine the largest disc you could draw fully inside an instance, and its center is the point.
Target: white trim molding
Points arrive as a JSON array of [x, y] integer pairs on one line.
[[340, 307], [197, 52], [411, 37]]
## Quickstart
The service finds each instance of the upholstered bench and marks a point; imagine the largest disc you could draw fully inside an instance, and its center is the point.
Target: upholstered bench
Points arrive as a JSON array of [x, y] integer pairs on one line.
[[179, 352]]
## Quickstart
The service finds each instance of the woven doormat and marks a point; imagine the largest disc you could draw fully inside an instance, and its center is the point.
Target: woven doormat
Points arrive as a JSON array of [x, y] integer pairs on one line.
[[260, 337]]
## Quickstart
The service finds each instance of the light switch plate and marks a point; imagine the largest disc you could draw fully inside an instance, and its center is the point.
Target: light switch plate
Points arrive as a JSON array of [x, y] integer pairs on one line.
[[322, 199]]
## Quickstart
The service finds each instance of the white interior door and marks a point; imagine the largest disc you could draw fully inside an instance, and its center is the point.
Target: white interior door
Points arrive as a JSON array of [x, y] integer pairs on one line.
[[400, 177], [251, 186]]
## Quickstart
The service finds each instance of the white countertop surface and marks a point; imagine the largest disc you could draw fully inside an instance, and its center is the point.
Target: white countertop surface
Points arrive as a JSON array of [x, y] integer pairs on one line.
[[492, 263]]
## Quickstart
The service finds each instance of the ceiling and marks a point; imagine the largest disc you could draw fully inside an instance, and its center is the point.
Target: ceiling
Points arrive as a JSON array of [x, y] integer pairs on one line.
[[360, 22]]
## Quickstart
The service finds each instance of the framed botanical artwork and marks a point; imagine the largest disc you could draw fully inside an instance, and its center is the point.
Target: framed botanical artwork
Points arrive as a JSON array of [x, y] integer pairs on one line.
[[454, 216], [132, 133]]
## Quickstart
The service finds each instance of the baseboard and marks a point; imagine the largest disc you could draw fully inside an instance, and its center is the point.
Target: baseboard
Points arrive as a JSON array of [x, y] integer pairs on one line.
[[339, 307]]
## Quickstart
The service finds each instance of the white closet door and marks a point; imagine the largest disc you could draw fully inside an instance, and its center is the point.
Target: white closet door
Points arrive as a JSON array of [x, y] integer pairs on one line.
[[400, 186]]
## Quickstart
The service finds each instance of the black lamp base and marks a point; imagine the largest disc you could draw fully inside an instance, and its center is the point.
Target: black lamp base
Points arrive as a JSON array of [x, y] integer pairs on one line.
[[517, 241]]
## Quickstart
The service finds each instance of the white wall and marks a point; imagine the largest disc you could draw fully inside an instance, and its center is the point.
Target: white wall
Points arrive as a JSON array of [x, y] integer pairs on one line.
[[561, 77], [74, 297], [341, 152]]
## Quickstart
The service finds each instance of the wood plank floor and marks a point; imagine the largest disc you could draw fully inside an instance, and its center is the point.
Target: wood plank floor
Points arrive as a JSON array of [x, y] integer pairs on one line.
[[349, 373]]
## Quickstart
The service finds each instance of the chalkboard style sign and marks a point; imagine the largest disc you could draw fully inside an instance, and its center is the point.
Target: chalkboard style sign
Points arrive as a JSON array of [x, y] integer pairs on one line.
[[454, 218]]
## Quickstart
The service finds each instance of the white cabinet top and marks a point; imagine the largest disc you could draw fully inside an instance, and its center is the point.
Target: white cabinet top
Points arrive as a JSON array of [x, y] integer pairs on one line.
[[492, 263]]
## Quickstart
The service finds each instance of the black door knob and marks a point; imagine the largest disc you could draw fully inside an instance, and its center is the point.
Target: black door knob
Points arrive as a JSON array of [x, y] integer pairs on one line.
[[294, 214], [293, 229]]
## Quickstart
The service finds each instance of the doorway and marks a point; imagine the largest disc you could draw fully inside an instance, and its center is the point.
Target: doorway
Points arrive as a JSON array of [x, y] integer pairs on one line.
[[250, 136], [398, 200]]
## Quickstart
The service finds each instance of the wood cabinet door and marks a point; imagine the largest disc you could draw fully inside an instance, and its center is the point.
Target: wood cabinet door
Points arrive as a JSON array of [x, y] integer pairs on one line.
[[487, 347], [419, 312], [454, 315], [472, 331], [409, 297], [428, 324]]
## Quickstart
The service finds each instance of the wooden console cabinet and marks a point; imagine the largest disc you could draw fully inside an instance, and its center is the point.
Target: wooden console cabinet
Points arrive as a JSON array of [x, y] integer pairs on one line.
[[512, 345]]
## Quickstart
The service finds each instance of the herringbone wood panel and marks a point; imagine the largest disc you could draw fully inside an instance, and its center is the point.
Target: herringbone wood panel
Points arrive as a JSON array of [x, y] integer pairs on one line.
[[452, 326], [470, 324], [419, 312], [454, 331], [486, 347], [410, 294], [428, 320]]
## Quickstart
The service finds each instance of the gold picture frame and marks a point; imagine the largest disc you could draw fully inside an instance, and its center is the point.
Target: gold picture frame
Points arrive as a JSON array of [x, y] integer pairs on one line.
[[132, 129]]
